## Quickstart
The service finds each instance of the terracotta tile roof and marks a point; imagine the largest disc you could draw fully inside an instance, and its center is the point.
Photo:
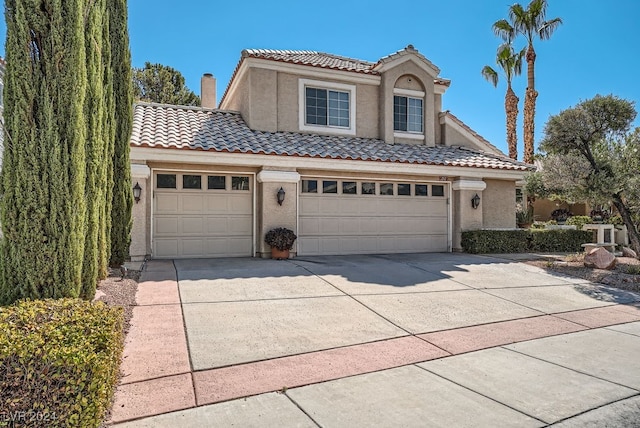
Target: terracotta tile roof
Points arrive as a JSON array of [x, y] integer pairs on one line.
[[327, 60], [313, 58], [192, 128]]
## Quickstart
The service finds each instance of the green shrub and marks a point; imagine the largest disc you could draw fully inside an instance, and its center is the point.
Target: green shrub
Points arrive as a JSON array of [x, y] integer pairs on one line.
[[521, 241], [59, 361], [559, 240], [578, 221], [495, 241]]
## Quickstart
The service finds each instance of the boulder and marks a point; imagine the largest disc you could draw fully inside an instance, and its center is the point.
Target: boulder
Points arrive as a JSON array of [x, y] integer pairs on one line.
[[600, 258], [628, 252]]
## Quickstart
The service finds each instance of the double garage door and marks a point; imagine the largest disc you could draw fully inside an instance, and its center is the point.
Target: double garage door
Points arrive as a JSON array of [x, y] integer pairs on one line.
[[369, 217], [211, 215], [202, 215]]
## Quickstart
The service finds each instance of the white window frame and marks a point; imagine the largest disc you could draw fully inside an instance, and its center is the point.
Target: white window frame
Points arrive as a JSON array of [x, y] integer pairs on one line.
[[410, 93], [331, 86]]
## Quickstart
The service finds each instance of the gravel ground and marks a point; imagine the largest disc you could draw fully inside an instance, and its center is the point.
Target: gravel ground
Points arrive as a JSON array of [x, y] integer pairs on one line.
[[118, 291], [626, 274]]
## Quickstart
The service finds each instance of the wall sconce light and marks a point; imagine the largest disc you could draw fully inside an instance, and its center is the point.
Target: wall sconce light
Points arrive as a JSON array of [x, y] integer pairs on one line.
[[280, 196], [475, 201], [137, 192]]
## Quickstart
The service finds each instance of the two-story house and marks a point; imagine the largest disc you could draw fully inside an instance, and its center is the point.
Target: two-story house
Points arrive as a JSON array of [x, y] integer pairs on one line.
[[366, 158]]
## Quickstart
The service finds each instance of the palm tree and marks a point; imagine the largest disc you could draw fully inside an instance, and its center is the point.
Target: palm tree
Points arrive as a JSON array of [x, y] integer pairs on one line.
[[510, 62], [529, 22]]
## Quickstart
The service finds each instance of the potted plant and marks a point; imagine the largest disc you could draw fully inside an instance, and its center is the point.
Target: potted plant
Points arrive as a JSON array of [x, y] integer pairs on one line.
[[524, 217], [561, 215], [281, 241]]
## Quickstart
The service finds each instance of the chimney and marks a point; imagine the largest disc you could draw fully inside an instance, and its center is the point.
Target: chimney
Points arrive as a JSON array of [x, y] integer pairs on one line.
[[208, 91]]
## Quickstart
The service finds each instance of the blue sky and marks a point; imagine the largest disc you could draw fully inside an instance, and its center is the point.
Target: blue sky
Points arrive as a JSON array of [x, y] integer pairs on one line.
[[594, 52]]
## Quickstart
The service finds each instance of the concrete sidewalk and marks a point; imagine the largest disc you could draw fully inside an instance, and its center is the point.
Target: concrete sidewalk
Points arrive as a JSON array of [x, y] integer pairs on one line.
[[396, 340]]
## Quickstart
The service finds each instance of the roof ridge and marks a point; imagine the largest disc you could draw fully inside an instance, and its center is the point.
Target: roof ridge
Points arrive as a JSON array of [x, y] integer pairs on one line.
[[183, 107]]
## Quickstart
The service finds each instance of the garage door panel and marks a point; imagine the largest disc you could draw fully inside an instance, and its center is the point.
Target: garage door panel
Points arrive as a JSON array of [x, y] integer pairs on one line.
[[366, 224], [192, 247], [191, 203], [202, 223], [239, 225], [167, 247], [167, 225], [309, 226], [166, 203]]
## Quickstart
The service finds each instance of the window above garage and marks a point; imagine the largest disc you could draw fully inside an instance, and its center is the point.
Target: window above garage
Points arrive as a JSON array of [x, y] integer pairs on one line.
[[203, 182], [327, 107], [365, 188]]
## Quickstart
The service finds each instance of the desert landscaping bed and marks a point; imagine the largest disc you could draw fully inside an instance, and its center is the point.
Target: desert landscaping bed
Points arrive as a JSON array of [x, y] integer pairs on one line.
[[625, 275]]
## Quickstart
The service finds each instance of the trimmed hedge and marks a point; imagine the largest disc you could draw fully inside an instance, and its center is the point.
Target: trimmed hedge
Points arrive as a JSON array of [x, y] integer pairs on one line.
[[59, 361], [559, 240], [524, 240]]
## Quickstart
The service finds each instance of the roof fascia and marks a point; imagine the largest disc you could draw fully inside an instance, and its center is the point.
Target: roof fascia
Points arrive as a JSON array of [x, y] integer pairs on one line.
[[430, 69], [147, 154]]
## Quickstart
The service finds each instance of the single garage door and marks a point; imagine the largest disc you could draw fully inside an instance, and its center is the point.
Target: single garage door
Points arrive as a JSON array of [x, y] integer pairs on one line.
[[368, 217], [202, 215]]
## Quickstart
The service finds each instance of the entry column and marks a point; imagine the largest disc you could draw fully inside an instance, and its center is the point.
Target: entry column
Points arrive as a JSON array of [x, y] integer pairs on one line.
[[272, 214], [467, 214]]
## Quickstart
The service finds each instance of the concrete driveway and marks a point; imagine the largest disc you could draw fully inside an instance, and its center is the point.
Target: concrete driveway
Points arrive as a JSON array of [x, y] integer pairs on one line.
[[385, 340]]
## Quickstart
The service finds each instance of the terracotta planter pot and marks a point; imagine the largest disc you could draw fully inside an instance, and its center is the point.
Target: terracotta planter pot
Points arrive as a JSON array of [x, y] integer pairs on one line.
[[279, 254]]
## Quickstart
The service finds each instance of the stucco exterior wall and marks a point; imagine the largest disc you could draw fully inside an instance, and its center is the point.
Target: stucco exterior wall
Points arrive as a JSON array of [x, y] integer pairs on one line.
[[498, 204], [465, 217], [452, 137], [263, 93], [389, 80], [271, 215], [140, 245], [288, 105]]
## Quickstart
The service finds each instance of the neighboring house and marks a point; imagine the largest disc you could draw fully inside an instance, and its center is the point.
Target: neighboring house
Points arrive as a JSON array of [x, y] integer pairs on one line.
[[367, 159]]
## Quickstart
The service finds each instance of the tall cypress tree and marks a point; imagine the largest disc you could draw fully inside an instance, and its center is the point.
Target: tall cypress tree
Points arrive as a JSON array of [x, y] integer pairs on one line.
[[96, 147], [123, 107], [43, 179]]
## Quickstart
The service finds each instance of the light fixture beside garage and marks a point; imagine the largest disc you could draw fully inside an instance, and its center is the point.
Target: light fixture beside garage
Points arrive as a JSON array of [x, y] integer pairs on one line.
[[475, 201], [137, 192], [280, 196]]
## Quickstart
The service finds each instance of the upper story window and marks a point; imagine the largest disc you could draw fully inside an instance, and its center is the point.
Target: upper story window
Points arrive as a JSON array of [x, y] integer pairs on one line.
[[407, 114], [327, 107]]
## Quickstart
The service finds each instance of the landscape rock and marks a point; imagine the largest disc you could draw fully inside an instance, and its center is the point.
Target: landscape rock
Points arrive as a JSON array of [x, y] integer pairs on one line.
[[628, 252], [600, 258]]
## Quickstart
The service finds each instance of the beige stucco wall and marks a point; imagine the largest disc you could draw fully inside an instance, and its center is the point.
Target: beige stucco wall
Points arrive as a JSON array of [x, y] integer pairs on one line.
[[262, 96], [498, 203], [451, 137], [464, 216], [389, 80], [140, 245], [288, 109], [273, 215]]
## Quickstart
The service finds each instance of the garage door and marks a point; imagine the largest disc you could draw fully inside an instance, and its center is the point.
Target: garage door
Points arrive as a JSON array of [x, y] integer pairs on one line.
[[202, 215], [369, 217]]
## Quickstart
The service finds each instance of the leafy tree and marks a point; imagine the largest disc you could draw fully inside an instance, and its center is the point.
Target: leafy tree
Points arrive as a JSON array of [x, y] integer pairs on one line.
[[511, 64], [159, 83], [120, 177], [531, 23], [589, 153], [44, 166]]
